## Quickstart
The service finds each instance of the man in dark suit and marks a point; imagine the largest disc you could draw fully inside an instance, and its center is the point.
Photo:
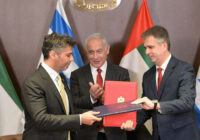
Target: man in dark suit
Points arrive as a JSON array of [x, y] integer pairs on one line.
[[87, 92], [168, 91], [47, 101]]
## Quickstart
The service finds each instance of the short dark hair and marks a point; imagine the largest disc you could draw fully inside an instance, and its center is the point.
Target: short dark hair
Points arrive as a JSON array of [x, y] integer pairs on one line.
[[158, 32], [55, 42]]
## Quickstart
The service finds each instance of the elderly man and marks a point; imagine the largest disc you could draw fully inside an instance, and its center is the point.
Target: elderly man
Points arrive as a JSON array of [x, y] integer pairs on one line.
[[87, 87]]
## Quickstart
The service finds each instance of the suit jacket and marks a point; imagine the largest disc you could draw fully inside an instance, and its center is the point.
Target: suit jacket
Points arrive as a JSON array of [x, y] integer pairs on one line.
[[45, 114], [80, 79], [177, 119]]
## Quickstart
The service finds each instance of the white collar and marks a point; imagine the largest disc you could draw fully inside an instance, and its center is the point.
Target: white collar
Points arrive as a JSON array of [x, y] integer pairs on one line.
[[52, 73], [103, 67], [164, 65]]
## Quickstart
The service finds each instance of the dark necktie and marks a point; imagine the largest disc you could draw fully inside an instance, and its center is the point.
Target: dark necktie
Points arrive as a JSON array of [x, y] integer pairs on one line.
[[99, 78], [159, 78]]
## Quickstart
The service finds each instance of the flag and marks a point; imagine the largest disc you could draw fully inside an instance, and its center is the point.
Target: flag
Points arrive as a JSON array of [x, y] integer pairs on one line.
[[60, 25], [134, 57], [11, 110], [197, 100]]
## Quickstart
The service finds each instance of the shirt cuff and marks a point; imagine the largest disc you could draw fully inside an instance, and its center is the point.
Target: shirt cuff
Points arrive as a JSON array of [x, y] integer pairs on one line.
[[80, 119], [93, 102]]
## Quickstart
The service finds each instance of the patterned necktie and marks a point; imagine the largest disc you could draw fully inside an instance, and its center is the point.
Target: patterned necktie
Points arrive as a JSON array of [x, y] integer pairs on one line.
[[64, 98], [99, 78], [159, 78]]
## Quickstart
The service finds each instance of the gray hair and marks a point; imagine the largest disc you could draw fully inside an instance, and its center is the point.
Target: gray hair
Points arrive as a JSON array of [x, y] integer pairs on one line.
[[56, 42], [97, 36]]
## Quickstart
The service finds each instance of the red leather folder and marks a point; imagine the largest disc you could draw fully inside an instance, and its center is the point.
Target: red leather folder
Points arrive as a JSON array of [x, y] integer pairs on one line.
[[115, 92]]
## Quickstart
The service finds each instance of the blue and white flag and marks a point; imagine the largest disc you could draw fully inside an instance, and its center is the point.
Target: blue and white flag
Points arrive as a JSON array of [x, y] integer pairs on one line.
[[60, 24], [197, 100]]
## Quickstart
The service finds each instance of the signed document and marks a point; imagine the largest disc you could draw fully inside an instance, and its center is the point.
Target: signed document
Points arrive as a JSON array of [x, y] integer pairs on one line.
[[117, 108]]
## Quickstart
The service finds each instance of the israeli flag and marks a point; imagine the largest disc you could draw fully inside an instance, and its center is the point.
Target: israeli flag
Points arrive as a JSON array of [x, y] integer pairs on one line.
[[197, 100], [60, 24]]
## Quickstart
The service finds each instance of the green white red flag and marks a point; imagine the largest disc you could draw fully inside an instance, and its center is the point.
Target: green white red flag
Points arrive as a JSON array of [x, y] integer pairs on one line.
[[11, 110], [134, 57]]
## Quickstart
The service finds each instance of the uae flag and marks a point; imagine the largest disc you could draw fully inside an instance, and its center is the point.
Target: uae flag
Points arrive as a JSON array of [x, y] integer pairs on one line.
[[11, 110], [134, 57]]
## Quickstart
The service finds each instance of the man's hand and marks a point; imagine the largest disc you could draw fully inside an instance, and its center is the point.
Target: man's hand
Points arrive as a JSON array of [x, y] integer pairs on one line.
[[128, 125], [101, 99], [146, 103], [88, 118], [95, 91]]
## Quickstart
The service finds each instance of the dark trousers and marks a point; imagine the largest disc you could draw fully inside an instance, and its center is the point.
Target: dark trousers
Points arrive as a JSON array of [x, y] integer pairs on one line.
[[101, 136]]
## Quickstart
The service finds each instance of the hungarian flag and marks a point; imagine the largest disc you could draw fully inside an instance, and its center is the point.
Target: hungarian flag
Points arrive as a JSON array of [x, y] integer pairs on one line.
[[134, 57], [11, 110]]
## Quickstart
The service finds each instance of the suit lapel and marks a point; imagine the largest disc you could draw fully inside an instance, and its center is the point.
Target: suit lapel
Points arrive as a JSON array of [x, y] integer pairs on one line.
[[50, 84], [109, 72], [88, 74], [170, 68], [152, 79]]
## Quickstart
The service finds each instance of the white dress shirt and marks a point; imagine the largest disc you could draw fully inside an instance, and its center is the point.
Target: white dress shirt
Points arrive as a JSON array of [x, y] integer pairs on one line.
[[163, 66]]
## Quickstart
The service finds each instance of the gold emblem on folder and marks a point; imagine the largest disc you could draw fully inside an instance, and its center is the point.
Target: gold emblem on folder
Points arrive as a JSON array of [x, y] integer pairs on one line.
[[120, 99], [95, 5]]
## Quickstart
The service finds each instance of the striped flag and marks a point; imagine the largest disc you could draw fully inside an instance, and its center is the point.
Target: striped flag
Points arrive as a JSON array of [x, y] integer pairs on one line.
[[134, 57], [11, 110], [60, 24], [197, 101]]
